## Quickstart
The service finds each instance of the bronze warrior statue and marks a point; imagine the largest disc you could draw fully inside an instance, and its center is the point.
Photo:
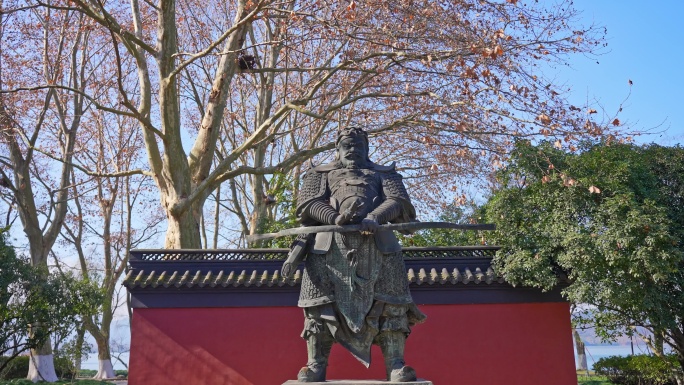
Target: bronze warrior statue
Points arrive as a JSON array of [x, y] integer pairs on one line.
[[354, 288]]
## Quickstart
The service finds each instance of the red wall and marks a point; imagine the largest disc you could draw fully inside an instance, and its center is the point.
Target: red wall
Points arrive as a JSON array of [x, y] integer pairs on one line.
[[525, 344]]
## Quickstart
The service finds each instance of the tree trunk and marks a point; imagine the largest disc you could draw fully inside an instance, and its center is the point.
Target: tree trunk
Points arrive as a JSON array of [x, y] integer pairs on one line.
[[42, 364], [258, 220], [658, 343], [80, 337], [679, 377], [679, 374], [104, 359], [182, 232], [581, 362], [101, 335]]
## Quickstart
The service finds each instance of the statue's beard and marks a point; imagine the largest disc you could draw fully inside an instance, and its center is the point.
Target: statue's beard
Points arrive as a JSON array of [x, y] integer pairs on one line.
[[353, 162]]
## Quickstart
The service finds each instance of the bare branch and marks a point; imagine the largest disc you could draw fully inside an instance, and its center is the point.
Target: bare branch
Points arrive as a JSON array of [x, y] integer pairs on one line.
[[245, 20], [146, 122]]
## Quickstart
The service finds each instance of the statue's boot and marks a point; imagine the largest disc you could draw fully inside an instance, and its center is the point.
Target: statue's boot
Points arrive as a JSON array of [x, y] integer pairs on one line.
[[392, 345], [318, 347]]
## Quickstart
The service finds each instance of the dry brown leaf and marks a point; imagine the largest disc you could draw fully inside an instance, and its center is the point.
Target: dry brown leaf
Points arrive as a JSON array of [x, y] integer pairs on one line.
[[594, 190], [544, 119], [469, 73], [616, 122]]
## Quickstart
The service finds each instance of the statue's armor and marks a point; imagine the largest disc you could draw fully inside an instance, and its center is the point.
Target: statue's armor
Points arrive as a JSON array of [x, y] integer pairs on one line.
[[358, 186], [352, 279]]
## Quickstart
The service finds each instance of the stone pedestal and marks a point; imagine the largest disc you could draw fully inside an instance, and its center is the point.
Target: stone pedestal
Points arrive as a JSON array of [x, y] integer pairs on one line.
[[359, 382]]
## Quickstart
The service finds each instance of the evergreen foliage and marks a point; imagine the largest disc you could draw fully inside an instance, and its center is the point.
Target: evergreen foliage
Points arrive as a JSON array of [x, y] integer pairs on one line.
[[28, 298], [446, 237], [611, 217], [640, 369]]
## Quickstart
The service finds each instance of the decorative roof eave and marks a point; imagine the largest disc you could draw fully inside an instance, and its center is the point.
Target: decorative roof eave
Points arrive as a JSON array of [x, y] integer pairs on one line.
[[242, 255], [218, 278], [233, 278]]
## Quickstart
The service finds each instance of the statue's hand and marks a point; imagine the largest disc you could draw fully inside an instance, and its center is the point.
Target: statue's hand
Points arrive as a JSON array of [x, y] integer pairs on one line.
[[347, 215], [369, 226], [341, 219]]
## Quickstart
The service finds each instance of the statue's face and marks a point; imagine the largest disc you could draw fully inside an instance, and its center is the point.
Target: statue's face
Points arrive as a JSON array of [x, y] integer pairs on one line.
[[353, 152]]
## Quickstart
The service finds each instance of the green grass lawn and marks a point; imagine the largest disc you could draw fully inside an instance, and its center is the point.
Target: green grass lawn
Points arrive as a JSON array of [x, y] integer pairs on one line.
[[583, 379]]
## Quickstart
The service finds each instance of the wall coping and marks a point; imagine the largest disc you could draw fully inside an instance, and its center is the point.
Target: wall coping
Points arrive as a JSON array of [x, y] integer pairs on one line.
[[218, 278]]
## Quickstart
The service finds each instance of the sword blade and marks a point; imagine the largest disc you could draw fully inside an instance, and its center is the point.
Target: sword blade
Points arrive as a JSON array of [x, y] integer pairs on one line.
[[350, 228]]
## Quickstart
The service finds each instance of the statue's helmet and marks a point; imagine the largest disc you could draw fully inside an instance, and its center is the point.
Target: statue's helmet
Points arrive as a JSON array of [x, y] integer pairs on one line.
[[351, 132]]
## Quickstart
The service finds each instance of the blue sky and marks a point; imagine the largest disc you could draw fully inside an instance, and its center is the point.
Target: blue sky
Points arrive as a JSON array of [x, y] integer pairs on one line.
[[646, 45]]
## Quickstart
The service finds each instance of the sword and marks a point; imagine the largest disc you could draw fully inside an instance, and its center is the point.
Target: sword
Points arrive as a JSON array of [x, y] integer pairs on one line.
[[349, 228]]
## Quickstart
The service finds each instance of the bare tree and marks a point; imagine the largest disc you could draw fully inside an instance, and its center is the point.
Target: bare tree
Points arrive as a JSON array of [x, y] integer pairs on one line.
[[225, 89], [103, 214], [39, 129], [445, 100]]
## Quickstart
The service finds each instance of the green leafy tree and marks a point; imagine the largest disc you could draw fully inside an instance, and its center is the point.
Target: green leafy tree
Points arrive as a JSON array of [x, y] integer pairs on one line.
[[281, 206], [611, 217], [27, 300], [447, 237]]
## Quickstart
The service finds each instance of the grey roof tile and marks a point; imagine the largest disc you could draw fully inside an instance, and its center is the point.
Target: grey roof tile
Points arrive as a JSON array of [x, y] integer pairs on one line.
[[217, 280], [171, 280], [264, 278], [183, 279]]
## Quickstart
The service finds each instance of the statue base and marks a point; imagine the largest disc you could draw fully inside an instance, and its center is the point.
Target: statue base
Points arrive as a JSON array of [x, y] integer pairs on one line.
[[360, 382]]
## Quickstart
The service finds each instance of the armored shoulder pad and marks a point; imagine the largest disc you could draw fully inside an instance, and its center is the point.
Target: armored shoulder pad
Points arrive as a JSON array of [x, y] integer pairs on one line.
[[393, 186], [314, 186], [389, 168]]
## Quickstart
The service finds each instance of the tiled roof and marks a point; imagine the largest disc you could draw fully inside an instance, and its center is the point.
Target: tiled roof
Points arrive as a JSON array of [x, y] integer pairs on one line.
[[281, 254], [251, 277], [197, 278], [455, 276], [246, 278]]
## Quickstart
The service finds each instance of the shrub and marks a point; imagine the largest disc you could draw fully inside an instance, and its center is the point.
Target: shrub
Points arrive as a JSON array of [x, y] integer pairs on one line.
[[64, 368], [641, 369], [17, 368], [87, 373], [121, 373]]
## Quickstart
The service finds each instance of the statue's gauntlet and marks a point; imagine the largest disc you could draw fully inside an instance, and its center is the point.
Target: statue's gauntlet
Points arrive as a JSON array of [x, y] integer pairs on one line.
[[322, 212]]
